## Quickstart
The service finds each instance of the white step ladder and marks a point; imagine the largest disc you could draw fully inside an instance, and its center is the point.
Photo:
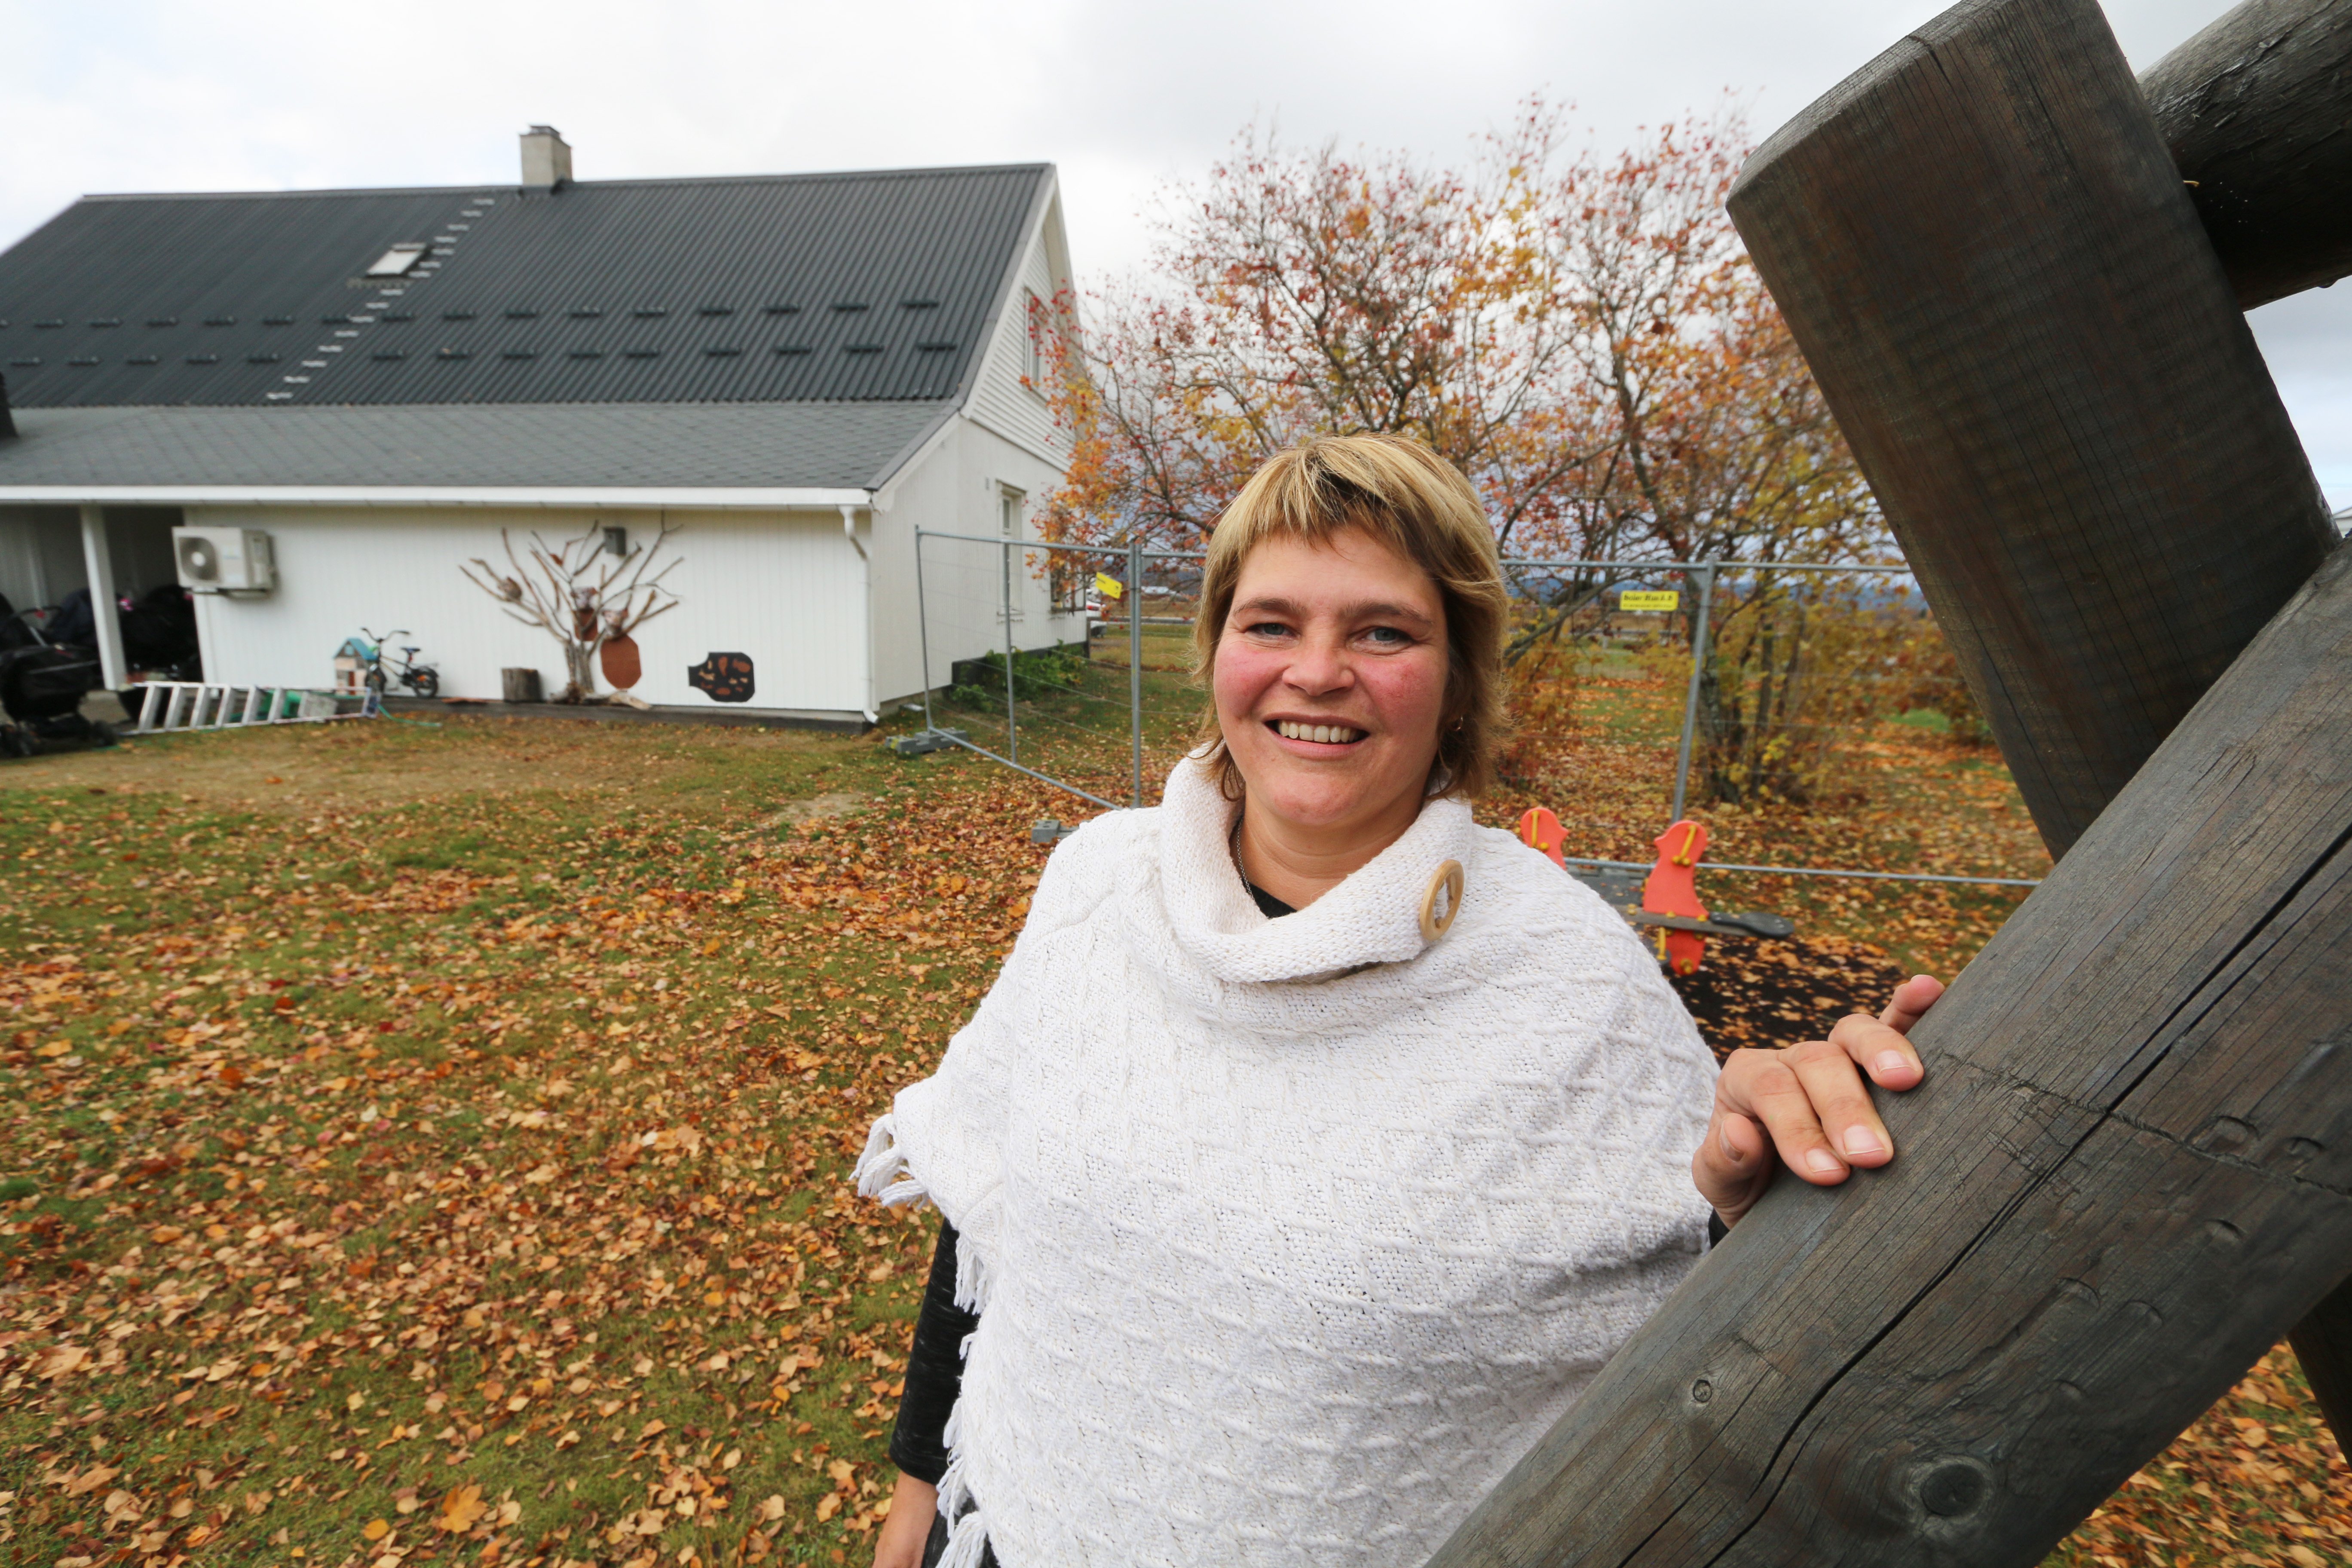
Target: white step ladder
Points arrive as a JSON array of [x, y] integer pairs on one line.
[[172, 707]]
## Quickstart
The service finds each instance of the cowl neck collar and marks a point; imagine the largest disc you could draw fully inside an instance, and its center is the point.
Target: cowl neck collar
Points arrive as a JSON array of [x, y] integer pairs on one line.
[[1374, 916]]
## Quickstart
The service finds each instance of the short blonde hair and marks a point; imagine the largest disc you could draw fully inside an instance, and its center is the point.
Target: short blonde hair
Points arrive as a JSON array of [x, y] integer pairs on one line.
[[1419, 505]]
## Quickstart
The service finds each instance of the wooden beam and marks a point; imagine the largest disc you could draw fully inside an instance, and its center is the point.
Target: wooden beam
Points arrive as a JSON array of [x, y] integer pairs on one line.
[[2128, 1171], [2257, 112], [1981, 247], [2323, 1342], [2066, 422]]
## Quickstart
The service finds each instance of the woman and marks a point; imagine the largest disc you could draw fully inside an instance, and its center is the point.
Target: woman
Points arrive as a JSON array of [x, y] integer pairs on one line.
[[1297, 1186]]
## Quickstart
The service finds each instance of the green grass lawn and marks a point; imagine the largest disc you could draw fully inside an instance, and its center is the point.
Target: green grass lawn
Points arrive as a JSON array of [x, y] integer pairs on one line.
[[427, 1141]]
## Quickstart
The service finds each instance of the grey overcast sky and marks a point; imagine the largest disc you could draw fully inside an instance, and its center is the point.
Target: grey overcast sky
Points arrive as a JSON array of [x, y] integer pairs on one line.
[[186, 95]]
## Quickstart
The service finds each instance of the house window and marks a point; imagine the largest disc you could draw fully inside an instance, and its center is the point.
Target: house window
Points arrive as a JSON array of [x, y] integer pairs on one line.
[[1008, 507], [396, 262]]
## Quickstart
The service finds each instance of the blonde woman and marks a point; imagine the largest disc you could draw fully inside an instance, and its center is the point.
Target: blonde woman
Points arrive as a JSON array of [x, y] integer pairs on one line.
[[1316, 1145]]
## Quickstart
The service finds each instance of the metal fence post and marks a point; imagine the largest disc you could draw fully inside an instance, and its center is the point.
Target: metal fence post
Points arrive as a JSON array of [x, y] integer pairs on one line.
[[1011, 728], [1690, 697], [1135, 656], [923, 632]]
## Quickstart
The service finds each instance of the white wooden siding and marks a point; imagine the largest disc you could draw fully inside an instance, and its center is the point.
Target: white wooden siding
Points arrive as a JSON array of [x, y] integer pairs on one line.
[[784, 588], [999, 400]]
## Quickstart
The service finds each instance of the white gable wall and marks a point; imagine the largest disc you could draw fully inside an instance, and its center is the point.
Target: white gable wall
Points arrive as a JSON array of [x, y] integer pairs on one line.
[[999, 401], [785, 588], [954, 491]]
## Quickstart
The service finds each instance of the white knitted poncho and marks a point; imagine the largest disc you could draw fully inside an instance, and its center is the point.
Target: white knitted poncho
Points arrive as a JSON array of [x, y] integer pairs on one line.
[[1288, 1237]]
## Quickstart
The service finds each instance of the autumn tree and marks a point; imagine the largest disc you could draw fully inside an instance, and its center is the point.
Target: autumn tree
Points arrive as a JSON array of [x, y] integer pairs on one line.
[[1580, 333]]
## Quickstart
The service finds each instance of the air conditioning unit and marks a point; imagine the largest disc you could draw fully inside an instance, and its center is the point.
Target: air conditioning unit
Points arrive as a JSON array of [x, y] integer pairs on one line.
[[225, 560]]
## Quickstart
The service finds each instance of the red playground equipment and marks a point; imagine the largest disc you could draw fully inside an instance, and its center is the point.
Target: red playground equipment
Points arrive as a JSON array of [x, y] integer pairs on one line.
[[1666, 900], [1672, 888]]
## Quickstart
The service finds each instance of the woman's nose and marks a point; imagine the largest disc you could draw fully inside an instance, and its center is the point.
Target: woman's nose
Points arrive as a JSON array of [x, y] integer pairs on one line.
[[1319, 666]]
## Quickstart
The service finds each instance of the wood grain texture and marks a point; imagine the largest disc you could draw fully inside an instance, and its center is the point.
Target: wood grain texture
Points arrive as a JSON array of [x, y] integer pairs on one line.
[[2257, 113], [2323, 1342], [2257, 107], [1983, 249], [2128, 1171], [2130, 1168]]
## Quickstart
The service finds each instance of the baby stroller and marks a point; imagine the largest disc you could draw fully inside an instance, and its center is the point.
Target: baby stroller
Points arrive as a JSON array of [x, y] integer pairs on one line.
[[42, 685]]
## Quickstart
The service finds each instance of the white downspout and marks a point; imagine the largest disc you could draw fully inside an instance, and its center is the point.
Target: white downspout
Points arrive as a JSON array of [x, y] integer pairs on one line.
[[98, 561], [865, 602]]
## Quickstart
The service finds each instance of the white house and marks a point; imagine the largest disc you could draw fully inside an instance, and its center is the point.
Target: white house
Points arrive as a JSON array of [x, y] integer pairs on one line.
[[798, 372]]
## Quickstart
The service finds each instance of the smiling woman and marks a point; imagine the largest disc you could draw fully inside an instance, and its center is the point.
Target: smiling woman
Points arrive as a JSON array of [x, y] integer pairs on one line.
[[1316, 1145], [1351, 631]]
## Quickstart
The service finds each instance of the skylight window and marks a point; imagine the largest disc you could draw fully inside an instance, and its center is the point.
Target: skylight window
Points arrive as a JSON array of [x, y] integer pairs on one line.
[[396, 261]]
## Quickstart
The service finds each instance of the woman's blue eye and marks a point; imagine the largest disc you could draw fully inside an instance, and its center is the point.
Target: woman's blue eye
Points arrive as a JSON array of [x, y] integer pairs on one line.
[[1388, 634], [1267, 628]]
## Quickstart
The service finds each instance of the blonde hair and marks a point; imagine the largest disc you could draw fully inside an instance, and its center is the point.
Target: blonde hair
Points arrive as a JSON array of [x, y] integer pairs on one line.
[[1419, 505]]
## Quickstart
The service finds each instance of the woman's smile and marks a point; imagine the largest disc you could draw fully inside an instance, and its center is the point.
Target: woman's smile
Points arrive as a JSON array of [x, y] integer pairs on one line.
[[1334, 735]]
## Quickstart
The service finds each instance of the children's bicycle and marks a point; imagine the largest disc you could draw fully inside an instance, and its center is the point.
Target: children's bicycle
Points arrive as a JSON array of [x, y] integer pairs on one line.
[[379, 672]]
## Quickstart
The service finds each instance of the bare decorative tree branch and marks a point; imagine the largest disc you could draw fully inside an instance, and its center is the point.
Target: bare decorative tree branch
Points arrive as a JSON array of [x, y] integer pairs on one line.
[[579, 595]]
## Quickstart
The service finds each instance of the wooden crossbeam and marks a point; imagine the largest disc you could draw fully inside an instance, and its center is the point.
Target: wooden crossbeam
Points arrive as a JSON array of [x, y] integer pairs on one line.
[[2128, 1171], [2130, 1168], [1985, 252], [2254, 110]]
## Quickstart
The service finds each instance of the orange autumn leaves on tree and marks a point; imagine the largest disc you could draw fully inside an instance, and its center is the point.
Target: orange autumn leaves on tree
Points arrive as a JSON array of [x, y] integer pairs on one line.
[[1580, 334]]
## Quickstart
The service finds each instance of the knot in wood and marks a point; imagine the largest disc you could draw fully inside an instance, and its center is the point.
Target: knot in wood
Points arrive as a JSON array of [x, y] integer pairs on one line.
[[1954, 1487]]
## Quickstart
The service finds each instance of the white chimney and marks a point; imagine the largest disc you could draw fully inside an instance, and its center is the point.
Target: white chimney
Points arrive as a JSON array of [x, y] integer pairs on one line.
[[546, 158]]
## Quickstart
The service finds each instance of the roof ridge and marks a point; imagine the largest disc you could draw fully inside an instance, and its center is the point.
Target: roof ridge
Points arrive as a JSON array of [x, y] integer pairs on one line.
[[810, 176], [639, 406]]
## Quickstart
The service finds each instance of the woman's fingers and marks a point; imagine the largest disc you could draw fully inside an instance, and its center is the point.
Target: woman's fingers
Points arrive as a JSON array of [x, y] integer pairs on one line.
[[1841, 1102], [1910, 1003], [1770, 1087], [1881, 1052], [1810, 1104], [1732, 1164]]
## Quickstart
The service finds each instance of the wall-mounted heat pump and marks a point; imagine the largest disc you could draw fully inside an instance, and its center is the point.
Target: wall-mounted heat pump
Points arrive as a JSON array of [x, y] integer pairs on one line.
[[225, 560]]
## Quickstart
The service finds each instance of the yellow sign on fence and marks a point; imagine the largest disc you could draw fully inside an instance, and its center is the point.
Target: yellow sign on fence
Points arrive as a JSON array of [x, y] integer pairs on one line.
[[1109, 587], [1649, 599]]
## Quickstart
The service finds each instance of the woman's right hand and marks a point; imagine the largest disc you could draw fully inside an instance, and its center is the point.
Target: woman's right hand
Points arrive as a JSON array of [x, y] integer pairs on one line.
[[913, 1505]]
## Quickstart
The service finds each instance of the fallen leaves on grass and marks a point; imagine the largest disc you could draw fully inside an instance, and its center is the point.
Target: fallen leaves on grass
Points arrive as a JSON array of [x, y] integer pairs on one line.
[[483, 1168], [461, 1509]]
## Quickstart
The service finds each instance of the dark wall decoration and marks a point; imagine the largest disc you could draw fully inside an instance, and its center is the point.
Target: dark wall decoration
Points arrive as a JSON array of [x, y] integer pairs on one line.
[[723, 676]]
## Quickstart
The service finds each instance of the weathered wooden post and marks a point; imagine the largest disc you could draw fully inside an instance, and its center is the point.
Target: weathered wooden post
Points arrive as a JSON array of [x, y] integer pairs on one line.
[[1997, 276], [2127, 1175], [2256, 113], [2257, 109]]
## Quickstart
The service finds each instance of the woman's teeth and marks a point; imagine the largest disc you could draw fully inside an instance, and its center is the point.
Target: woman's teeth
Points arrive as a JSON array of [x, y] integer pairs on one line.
[[1329, 735]]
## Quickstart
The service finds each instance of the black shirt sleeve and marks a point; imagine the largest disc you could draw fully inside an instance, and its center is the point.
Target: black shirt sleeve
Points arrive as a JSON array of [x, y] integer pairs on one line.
[[934, 1371]]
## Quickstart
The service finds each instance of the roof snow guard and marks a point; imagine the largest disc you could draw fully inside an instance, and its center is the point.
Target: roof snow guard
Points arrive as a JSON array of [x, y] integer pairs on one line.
[[616, 292]]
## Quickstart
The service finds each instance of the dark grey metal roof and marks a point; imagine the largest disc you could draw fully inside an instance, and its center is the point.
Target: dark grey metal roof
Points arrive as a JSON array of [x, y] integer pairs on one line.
[[846, 446], [770, 289]]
